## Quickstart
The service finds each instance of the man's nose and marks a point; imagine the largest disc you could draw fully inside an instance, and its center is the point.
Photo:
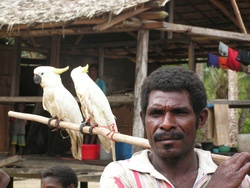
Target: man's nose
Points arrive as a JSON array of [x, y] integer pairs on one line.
[[168, 121]]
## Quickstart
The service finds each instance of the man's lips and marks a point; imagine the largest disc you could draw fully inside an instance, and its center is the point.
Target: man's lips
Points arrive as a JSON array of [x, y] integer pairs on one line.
[[168, 136]]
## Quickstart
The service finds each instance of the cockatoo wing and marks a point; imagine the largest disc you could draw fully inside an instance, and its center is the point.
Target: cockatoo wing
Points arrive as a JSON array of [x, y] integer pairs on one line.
[[59, 102], [62, 104], [97, 109]]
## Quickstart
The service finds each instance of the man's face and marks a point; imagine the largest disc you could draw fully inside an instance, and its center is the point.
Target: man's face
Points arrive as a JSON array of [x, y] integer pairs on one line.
[[170, 123], [93, 73]]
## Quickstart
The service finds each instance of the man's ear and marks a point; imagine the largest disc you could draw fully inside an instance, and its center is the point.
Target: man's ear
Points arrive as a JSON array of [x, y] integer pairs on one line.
[[203, 118]]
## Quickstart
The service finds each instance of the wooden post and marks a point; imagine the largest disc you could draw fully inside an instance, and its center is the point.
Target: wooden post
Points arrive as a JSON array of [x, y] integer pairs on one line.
[[140, 75], [238, 16], [233, 112], [171, 17], [191, 56], [55, 51], [101, 61], [16, 67]]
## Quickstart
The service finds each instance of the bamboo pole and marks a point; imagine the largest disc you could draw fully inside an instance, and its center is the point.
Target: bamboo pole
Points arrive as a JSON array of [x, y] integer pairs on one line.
[[239, 22], [238, 16], [118, 137]]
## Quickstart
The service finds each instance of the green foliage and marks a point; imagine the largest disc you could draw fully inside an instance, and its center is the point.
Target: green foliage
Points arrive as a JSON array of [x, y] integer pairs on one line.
[[216, 84], [246, 127], [7, 41], [243, 85], [244, 93], [24, 54]]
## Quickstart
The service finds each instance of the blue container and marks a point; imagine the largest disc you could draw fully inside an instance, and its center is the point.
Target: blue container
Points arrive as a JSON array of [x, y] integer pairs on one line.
[[123, 150]]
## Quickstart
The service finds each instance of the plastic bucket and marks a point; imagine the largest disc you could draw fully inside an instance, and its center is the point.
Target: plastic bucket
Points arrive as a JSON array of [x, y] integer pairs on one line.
[[104, 155], [123, 150], [90, 151]]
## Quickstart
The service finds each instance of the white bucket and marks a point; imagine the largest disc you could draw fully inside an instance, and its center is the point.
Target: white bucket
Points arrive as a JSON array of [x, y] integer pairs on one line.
[[243, 141]]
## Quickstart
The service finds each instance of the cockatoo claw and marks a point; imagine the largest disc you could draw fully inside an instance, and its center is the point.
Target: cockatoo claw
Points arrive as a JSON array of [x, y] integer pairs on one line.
[[91, 128], [50, 119], [83, 124], [57, 123]]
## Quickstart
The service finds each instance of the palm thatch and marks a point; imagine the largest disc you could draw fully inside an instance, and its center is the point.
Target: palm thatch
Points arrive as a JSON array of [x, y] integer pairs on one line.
[[46, 11]]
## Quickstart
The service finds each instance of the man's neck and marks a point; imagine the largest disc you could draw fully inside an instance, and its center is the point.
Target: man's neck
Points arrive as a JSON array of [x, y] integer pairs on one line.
[[174, 169]]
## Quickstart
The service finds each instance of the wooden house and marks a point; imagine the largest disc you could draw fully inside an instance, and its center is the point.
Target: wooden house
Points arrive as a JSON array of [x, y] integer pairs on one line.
[[127, 38]]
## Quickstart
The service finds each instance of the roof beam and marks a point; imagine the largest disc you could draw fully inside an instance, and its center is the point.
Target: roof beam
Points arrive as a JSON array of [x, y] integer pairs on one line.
[[226, 12], [130, 13], [123, 43], [119, 18], [193, 30], [238, 16], [66, 31]]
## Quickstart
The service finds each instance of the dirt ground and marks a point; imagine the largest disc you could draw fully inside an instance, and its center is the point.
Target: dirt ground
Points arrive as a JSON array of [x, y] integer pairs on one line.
[[36, 183]]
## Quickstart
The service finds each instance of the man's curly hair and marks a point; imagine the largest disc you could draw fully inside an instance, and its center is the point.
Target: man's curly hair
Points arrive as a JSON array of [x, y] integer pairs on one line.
[[64, 174], [175, 79]]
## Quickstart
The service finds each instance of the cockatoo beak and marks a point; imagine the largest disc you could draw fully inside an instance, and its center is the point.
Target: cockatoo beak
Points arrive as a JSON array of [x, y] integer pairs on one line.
[[37, 79], [60, 71]]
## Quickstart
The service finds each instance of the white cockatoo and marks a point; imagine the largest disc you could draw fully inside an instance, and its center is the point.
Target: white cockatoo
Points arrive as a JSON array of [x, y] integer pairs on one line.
[[60, 103], [94, 105]]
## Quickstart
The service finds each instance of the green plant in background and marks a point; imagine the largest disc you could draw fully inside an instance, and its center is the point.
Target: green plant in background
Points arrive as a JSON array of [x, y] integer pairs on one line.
[[244, 94], [216, 83], [24, 54]]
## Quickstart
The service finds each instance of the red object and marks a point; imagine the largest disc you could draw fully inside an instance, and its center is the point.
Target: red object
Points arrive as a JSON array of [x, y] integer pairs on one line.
[[232, 63], [90, 151], [223, 62]]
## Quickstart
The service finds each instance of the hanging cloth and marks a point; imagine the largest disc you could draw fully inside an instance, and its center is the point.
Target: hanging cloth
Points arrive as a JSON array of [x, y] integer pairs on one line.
[[232, 63], [223, 62], [243, 57], [212, 60], [223, 49]]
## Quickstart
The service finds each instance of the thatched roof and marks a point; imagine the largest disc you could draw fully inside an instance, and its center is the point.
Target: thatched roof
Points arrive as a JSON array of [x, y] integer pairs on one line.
[[45, 11], [86, 25]]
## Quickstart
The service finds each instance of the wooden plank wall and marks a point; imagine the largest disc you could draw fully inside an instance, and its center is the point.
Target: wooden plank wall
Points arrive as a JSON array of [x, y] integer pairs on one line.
[[124, 117], [209, 127], [6, 59], [221, 126]]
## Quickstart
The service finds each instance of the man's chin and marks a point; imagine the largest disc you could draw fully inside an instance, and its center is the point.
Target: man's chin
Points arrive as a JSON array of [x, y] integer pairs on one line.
[[168, 152]]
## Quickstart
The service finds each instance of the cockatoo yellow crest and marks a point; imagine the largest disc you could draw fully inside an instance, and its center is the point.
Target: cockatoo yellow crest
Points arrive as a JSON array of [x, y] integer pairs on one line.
[[60, 103]]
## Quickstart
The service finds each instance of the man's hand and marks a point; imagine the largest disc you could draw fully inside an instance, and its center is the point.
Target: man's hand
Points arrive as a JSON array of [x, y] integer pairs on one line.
[[231, 172]]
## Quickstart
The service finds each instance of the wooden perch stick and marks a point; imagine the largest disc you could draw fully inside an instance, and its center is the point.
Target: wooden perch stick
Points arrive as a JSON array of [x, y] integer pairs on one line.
[[97, 130], [118, 137]]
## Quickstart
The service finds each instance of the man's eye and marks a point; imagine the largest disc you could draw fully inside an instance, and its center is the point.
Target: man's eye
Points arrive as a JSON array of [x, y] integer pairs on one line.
[[156, 112], [179, 111]]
